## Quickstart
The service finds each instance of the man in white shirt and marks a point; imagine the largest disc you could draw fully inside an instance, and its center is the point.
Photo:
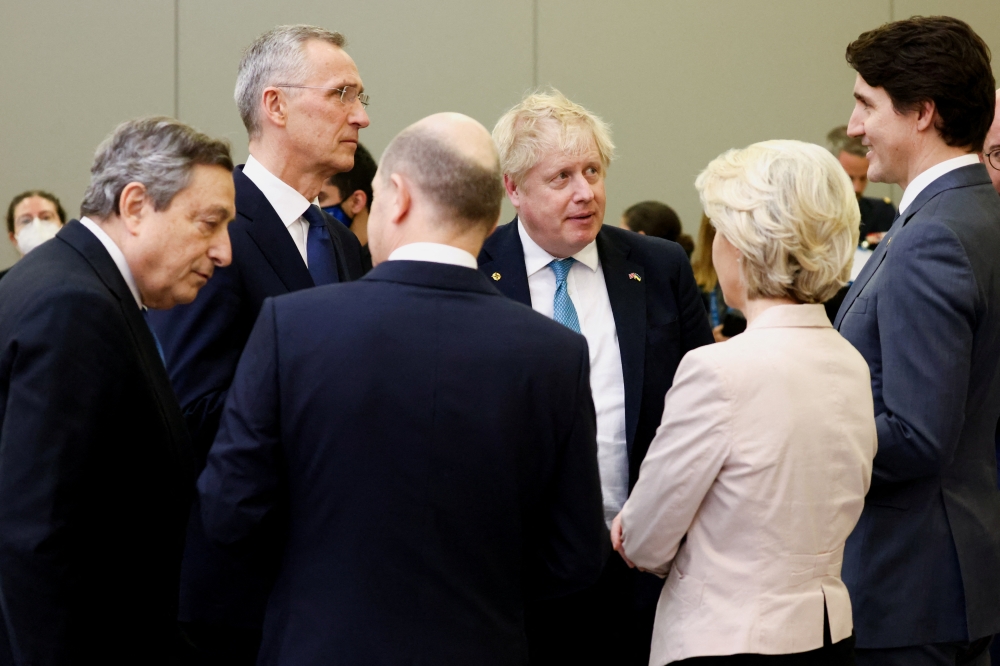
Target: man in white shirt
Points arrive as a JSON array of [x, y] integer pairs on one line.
[[634, 299], [303, 104], [923, 563]]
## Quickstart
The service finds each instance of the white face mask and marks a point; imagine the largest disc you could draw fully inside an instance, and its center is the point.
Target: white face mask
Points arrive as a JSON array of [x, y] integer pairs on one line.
[[34, 233]]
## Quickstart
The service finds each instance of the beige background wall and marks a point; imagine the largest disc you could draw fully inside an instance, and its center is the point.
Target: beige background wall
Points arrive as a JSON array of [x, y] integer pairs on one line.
[[679, 80]]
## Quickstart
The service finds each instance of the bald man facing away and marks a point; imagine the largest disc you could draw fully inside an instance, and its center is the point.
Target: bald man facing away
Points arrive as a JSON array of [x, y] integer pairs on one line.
[[438, 464]]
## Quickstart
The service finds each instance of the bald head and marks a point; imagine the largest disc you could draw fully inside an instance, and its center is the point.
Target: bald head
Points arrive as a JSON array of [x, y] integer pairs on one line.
[[992, 147], [450, 159]]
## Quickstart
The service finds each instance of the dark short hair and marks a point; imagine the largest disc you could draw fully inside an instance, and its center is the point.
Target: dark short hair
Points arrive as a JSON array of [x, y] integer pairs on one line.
[[33, 193], [658, 219], [360, 177], [932, 58], [469, 191]]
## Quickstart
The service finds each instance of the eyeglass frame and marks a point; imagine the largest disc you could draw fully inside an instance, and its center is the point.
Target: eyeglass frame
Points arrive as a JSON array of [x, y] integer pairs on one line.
[[993, 158], [364, 98]]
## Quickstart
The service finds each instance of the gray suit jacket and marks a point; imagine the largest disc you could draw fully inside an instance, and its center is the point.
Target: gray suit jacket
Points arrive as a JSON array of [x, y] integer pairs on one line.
[[923, 563]]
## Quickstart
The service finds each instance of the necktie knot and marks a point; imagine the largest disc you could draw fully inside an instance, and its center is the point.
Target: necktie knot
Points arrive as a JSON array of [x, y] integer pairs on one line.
[[561, 268], [314, 217]]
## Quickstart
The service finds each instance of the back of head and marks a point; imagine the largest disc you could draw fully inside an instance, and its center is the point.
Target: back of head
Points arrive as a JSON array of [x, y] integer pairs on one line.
[[452, 166], [360, 176], [790, 210], [275, 57], [837, 141], [158, 152], [654, 218], [529, 129], [935, 58]]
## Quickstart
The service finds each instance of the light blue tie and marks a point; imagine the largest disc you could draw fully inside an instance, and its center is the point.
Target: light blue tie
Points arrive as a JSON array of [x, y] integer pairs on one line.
[[562, 307]]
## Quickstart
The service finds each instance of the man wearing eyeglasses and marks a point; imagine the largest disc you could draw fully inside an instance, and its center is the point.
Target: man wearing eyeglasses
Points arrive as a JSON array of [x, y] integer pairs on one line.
[[991, 154], [302, 101]]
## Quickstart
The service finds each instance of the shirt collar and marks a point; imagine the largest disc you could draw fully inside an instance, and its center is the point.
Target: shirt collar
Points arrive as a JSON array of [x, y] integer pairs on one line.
[[930, 175], [535, 258], [116, 255], [285, 199], [438, 253]]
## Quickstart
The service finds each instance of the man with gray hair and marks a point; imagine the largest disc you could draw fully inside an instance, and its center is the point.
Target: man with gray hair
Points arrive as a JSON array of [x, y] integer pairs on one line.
[[303, 103], [877, 215], [456, 476], [97, 472]]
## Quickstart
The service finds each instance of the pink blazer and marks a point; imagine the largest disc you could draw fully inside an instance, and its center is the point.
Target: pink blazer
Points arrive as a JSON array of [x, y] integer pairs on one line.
[[762, 460]]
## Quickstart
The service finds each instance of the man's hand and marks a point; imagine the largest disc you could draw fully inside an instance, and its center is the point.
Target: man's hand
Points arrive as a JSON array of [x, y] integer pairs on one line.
[[616, 539], [717, 334]]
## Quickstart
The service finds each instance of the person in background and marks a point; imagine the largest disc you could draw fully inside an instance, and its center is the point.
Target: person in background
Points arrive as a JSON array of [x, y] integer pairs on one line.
[[991, 158], [33, 217], [97, 472], [759, 470], [877, 215], [726, 321], [652, 218], [923, 563], [347, 196]]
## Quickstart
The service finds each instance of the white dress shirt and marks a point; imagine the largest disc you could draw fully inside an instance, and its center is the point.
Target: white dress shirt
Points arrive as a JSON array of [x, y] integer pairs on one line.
[[930, 175], [589, 293], [286, 201], [434, 252], [117, 256]]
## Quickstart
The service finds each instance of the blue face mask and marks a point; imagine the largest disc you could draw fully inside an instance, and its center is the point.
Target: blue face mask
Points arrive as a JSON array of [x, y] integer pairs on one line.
[[338, 213]]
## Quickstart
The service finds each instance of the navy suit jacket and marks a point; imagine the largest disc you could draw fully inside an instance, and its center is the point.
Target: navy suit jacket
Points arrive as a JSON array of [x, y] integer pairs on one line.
[[96, 468], [659, 317], [202, 343], [439, 468], [923, 563]]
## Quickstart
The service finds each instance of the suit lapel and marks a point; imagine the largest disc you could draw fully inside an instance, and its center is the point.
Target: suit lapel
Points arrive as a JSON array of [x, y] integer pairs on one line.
[[502, 261], [627, 292], [271, 236]]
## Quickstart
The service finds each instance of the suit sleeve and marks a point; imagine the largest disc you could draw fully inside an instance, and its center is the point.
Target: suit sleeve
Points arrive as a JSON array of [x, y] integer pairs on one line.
[[684, 459], [575, 542], [926, 318], [64, 369], [241, 483], [695, 329]]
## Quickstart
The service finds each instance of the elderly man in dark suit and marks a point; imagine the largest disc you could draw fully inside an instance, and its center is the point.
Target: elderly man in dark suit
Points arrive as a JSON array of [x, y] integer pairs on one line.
[[438, 467], [923, 564], [302, 101], [635, 300], [96, 468]]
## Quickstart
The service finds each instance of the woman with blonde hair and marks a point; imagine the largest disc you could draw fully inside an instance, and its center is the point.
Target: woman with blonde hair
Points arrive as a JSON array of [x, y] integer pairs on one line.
[[759, 469]]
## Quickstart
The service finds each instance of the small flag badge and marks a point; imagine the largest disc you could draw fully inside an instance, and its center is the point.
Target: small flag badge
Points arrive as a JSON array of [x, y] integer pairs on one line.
[[634, 276]]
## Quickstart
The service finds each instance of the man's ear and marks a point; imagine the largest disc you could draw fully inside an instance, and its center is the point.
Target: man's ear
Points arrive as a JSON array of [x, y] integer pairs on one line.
[[130, 205], [402, 200], [512, 191], [355, 203], [274, 106], [927, 115]]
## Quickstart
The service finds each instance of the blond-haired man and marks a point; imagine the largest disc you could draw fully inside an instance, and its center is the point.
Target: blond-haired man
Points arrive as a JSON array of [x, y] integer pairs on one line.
[[634, 299]]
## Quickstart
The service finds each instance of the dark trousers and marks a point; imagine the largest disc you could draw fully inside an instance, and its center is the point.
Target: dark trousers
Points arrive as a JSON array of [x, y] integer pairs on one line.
[[840, 653], [976, 653], [608, 623]]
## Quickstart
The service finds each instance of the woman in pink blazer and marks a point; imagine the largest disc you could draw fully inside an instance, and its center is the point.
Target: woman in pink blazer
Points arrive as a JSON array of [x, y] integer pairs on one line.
[[760, 467]]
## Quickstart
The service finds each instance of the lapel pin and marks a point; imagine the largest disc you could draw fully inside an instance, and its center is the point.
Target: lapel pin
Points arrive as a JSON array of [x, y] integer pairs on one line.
[[496, 277], [634, 276]]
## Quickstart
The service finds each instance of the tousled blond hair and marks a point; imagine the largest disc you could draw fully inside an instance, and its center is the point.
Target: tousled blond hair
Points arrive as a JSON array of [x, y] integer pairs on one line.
[[790, 209], [541, 119]]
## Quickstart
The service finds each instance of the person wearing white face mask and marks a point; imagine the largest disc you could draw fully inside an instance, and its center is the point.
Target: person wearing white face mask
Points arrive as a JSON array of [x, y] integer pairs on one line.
[[33, 217]]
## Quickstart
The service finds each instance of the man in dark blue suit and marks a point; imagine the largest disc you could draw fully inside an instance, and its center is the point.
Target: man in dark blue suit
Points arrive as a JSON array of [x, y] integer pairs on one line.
[[635, 300], [96, 467], [300, 97], [438, 467], [923, 563]]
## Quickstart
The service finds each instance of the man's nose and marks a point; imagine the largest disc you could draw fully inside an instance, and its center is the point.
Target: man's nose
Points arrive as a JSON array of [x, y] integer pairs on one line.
[[221, 251], [583, 190]]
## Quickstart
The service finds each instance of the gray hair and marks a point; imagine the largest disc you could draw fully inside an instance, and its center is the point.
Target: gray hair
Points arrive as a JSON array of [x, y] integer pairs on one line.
[[275, 57], [158, 152], [838, 142]]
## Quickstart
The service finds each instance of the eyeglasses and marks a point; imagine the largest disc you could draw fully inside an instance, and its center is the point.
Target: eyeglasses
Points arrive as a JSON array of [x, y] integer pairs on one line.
[[347, 94], [994, 159]]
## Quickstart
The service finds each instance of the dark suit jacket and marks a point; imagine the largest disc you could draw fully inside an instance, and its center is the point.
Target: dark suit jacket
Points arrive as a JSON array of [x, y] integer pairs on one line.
[[439, 466], [202, 343], [876, 215], [659, 317], [96, 470], [923, 563]]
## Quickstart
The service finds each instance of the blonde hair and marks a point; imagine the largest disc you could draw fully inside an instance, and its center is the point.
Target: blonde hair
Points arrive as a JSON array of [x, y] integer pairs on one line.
[[525, 132], [790, 209], [701, 261]]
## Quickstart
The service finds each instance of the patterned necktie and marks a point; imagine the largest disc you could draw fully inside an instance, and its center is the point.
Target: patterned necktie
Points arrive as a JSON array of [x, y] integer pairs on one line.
[[319, 249], [563, 310]]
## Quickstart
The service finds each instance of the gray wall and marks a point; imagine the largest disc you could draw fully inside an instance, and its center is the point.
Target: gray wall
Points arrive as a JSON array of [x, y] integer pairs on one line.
[[679, 80]]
